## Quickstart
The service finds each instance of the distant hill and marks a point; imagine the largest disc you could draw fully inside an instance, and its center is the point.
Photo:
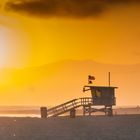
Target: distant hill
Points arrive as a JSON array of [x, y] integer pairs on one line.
[[58, 82]]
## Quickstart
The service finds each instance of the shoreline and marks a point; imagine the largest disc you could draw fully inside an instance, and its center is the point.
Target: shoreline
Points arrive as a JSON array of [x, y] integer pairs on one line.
[[78, 116]]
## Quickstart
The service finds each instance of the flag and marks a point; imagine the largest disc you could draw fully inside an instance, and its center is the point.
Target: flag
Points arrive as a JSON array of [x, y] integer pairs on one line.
[[91, 77]]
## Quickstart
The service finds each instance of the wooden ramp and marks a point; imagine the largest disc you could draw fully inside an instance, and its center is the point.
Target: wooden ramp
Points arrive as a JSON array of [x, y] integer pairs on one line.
[[68, 106]]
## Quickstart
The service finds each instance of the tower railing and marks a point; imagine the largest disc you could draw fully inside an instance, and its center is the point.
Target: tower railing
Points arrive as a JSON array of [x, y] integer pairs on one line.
[[67, 106]]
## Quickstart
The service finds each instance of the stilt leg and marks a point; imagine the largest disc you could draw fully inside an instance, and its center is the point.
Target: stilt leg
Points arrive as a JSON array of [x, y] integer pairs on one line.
[[84, 111], [89, 109]]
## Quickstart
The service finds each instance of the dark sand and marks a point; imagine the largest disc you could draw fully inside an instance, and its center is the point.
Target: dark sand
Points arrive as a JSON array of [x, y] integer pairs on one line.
[[123, 127]]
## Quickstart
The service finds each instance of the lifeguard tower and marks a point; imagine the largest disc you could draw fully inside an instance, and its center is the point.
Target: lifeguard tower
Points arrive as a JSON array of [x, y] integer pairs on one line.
[[102, 99], [102, 96]]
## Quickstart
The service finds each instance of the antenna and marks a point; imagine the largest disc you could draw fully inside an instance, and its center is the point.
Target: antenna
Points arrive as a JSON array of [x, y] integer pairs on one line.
[[109, 78]]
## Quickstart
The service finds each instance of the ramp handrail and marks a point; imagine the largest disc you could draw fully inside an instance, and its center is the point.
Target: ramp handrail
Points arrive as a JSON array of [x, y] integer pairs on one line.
[[67, 106]]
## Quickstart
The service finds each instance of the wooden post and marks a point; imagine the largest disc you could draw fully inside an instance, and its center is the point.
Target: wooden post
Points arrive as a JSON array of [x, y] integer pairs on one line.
[[43, 111], [72, 113], [84, 112], [110, 112], [89, 109]]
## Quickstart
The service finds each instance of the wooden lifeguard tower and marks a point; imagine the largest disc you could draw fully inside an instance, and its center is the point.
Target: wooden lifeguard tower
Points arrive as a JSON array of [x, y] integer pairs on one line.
[[103, 96], [102, 99]]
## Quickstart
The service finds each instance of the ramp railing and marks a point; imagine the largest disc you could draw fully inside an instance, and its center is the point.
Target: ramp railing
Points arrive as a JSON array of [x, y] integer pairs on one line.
[[67, 106]]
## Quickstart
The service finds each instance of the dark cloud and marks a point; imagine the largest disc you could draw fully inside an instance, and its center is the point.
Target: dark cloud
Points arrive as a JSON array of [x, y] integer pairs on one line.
[[64, 8]]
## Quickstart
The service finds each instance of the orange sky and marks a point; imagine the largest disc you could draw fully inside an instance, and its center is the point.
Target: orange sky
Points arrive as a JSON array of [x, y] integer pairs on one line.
[[27, 41], [49, 40]]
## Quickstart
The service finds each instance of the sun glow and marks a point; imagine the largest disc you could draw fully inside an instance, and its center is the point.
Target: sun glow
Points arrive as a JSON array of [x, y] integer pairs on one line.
[[3, 47], [14, 50]]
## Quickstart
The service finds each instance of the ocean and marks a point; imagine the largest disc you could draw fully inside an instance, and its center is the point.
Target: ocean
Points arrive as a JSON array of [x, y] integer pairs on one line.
[[34, 111]]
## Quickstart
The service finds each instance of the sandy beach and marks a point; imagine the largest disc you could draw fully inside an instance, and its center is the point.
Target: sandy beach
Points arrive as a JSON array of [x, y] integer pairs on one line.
[[120, 127]]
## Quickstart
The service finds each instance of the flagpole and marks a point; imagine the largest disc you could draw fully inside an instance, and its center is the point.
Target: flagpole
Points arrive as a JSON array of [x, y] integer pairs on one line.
[[109, 79]]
